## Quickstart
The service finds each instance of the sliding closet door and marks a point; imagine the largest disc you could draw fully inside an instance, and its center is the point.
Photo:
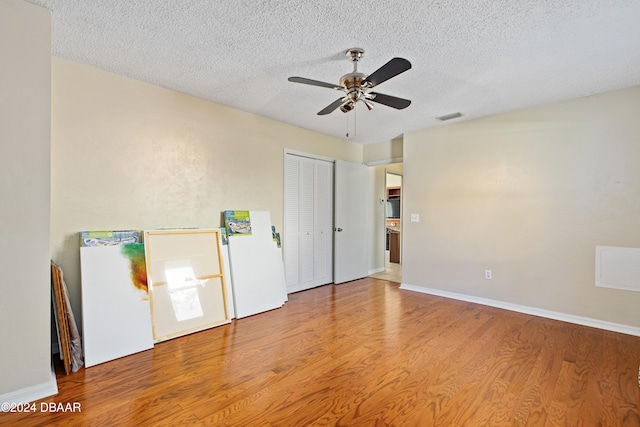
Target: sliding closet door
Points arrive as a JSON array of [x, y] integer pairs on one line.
[[308, 222]]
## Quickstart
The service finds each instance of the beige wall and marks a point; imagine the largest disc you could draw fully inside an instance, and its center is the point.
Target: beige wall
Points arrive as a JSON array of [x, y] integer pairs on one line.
[[129, 155], [25, 96], [383, 152], [529, 195]]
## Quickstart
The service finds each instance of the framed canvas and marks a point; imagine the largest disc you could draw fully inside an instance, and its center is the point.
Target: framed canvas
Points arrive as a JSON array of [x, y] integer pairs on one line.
[[185, 273]]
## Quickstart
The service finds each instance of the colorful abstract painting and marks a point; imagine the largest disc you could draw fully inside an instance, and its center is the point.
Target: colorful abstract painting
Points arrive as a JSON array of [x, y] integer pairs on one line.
[[138, 268]]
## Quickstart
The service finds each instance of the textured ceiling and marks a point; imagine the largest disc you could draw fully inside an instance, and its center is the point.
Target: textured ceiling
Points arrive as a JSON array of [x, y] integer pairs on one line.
[[475, 57]]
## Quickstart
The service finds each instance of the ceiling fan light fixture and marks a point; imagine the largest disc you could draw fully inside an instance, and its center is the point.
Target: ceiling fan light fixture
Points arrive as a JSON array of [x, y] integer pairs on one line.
[[347, 106]]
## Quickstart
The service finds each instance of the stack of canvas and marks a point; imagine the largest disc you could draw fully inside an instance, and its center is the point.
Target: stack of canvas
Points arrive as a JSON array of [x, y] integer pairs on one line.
[[134, 295]]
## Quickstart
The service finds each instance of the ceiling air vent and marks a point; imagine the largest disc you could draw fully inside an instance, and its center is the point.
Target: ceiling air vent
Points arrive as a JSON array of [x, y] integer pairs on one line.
[[449, 116]]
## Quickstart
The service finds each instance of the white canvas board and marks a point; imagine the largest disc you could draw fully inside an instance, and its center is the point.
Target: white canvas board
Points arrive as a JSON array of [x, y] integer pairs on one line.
[[227, 280], [186, 281], [116, 315], [256, 269]]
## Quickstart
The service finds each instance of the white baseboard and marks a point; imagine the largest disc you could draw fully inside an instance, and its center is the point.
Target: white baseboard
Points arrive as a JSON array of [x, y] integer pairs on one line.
[[377, 270], [564, 317], [36, 392]]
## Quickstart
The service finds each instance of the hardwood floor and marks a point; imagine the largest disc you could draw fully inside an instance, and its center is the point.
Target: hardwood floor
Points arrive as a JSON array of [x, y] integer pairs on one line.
[[364, 354]]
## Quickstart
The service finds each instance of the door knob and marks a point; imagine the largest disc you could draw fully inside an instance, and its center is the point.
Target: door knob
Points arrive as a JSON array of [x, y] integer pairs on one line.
[[337, 229]]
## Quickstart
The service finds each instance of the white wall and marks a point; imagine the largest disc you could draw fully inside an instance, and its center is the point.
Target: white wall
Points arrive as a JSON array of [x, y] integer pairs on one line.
[[127, 154], [529, 195], [25, 304]]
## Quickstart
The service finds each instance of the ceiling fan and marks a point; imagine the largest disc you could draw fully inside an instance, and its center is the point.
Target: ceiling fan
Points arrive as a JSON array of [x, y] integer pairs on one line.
[[357, 85]]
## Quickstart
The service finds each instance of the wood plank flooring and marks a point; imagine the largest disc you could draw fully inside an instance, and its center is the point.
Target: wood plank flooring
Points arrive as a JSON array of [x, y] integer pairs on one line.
[[364, 353]]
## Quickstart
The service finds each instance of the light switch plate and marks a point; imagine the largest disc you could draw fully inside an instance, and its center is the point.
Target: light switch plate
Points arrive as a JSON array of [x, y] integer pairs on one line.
[[415, 217]]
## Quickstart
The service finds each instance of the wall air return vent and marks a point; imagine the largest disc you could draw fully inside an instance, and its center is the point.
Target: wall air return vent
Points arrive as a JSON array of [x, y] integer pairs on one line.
[[618, 268], [449, 116]]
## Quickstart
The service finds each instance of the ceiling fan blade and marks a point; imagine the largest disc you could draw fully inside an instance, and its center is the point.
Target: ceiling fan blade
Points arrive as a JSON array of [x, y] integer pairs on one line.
[[390, 69], [329, 108], [390, 101], [314, 82]]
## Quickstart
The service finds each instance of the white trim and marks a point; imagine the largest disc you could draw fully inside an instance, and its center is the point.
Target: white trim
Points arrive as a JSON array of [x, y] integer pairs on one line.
[[35, 392], [309, 155], [385, 162], [376, 270], [564, 317]]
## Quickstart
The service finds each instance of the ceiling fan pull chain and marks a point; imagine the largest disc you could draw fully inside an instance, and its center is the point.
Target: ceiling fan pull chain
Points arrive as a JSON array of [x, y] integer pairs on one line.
[[347, 116], [355, 122]]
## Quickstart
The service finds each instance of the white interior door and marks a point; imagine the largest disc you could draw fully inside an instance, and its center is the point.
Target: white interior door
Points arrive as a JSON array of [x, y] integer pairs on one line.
[[351, 237]]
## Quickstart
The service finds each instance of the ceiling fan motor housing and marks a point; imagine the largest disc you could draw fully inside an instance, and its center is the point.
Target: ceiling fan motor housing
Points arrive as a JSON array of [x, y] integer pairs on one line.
[[352, 83]]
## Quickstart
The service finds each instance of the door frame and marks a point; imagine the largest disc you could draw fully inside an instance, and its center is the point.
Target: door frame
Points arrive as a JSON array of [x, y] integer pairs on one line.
[[386, 185]]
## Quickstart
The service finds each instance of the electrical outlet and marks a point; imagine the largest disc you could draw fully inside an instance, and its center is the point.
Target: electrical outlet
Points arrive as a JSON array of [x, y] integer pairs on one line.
[[487, 274]]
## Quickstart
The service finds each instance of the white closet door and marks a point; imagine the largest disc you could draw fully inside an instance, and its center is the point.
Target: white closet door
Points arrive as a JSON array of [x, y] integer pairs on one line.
[[308, 222], [291, 224], [323, 233]]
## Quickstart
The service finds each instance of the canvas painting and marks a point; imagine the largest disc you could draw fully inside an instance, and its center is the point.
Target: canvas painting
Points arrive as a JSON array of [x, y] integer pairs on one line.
[[116, 313]]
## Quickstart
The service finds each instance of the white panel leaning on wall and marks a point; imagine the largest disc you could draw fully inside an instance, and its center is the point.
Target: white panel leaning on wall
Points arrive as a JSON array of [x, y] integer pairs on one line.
[[257, 271]]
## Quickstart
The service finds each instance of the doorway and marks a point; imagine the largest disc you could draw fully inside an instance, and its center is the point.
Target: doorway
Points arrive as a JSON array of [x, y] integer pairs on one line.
[[392, 225]]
